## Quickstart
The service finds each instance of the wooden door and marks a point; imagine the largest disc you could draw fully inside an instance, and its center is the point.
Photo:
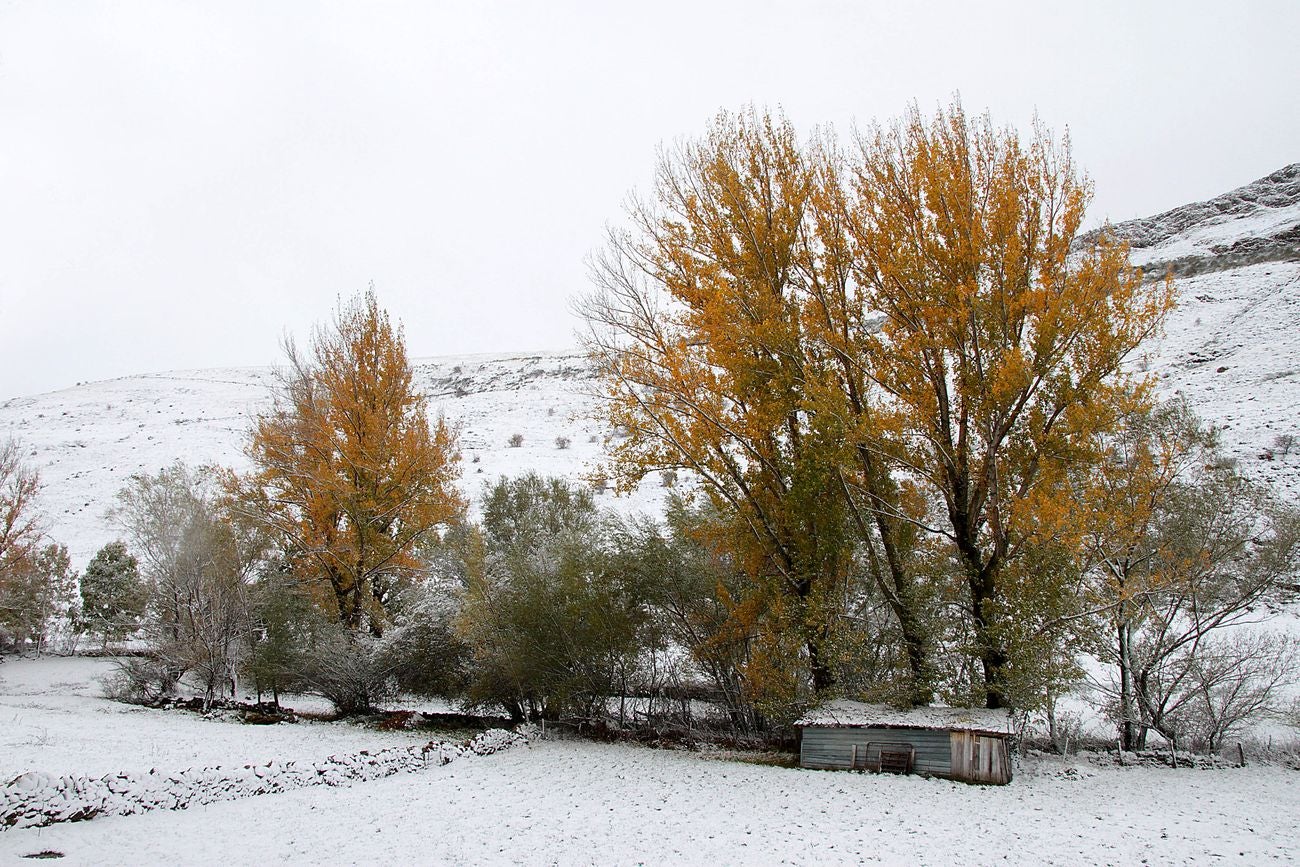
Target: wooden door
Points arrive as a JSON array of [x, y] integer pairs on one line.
[[980, 758]]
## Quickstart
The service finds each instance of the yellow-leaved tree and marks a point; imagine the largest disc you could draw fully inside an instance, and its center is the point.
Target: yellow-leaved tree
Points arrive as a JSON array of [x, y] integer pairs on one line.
[[883, 363], [697, 328], [348, 470], [1001, 349]]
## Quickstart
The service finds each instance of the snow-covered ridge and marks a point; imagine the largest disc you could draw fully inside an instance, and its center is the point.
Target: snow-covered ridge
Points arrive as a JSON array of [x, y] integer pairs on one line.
[[1254, 224]]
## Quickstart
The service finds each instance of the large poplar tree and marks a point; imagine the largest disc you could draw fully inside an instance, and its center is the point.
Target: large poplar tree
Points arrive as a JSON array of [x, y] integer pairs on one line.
[[349, 471], [697, 328], [884, 361], [1002, 345]]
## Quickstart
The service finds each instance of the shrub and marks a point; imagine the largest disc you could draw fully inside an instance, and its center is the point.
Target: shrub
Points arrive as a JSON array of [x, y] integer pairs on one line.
[[423, 651], [138, 680], [516, 440], [348, 670], [555, 633], [562, 443]]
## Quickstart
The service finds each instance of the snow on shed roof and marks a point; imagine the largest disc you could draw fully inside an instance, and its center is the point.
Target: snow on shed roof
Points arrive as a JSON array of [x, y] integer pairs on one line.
[[856, 714]]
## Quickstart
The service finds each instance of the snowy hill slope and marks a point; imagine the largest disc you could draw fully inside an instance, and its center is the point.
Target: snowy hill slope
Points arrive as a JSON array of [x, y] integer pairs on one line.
[[1232, 346], [88, 440]]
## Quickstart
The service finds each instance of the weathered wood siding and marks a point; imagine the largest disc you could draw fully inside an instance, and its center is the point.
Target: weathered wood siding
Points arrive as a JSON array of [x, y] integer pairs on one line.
[[832, 748], [980, 758]]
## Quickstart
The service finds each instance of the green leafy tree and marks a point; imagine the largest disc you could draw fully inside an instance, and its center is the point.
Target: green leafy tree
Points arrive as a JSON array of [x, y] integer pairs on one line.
[[553, 629], [39, 596], [112, 594], [283, 621]]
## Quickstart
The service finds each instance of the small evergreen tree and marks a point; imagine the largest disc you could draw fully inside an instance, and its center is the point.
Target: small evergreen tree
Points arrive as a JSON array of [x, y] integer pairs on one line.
[[112, 594]]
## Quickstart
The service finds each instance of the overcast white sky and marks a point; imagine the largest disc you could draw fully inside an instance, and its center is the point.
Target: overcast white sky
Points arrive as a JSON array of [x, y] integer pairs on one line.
[[181, 184]]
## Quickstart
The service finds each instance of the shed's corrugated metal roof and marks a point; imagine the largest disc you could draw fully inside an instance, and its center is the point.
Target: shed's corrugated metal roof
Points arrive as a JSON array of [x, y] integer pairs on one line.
[[843, 712]]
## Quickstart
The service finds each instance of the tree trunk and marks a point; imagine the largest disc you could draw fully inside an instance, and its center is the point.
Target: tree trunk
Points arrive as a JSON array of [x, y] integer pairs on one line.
[[993, 659], [822, 676], [1128, 728], [898, 588]]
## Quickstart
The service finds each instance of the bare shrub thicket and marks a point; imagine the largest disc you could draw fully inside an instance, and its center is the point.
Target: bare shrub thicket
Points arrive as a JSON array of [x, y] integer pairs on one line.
[[198, 557]]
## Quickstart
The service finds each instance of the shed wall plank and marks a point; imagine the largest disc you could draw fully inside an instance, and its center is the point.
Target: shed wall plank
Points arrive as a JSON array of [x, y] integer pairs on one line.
[[826, 747]]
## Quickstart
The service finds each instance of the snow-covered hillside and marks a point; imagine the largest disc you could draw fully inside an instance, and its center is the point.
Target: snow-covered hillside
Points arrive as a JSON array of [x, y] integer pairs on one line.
[[1232, 346], [88, 440]]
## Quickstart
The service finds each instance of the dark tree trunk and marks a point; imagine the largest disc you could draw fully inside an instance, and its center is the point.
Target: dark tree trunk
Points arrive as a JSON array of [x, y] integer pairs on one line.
[[1128, 728]]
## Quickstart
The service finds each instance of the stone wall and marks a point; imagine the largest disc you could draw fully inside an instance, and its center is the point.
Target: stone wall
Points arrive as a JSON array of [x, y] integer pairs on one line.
[[34, 799]]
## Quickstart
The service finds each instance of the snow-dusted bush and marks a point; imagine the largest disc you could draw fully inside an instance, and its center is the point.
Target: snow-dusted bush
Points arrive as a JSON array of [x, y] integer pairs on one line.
[[349, 669], [138, 680], [422, 649]]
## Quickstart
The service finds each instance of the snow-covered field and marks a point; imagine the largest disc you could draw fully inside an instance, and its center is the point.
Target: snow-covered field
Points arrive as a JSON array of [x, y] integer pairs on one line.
[[573, 802], [53, 718], [559, 802]]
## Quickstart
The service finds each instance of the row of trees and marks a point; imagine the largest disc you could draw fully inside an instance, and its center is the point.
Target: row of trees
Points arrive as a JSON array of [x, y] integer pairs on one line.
[[920, 467], [549, 607], [546, 606], [41, 596]]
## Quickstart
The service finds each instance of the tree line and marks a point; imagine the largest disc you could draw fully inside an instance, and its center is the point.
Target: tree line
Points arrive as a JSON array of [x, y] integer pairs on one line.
[[919, 464]]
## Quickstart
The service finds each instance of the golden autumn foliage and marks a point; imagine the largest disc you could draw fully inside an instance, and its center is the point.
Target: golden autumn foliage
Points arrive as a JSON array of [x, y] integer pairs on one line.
[[697, 328], [1002, 346], [880, 360], [348, 469]]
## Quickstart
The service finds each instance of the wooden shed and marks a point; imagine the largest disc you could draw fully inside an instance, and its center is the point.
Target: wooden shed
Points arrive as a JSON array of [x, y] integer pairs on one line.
[[958, 743]]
